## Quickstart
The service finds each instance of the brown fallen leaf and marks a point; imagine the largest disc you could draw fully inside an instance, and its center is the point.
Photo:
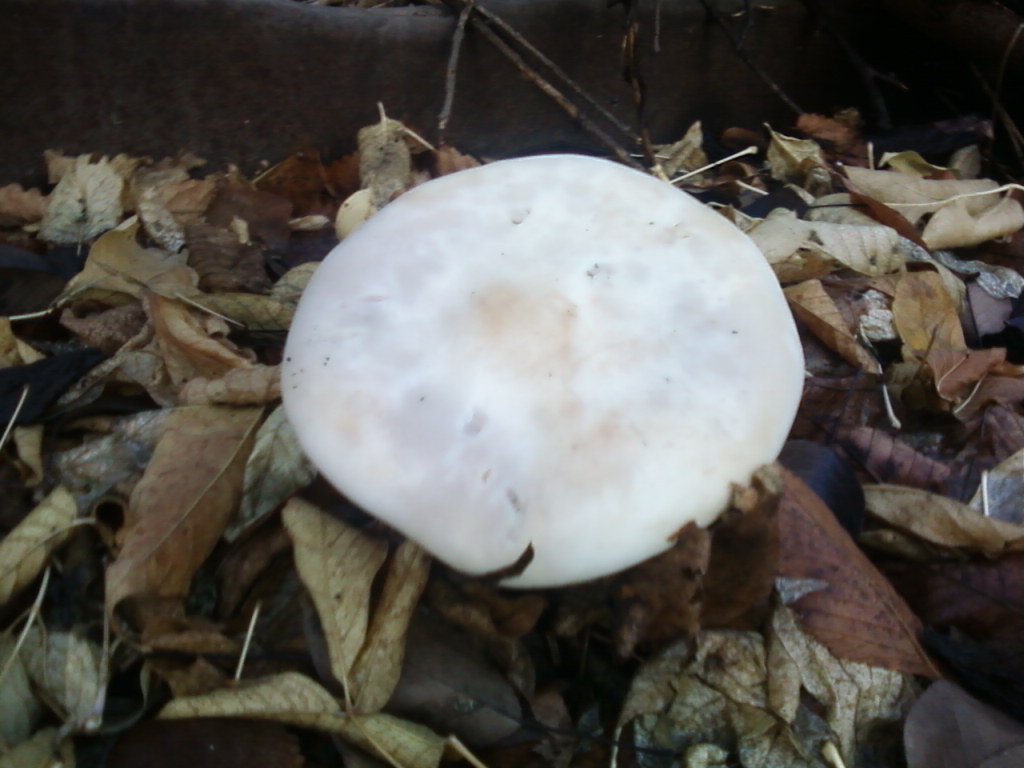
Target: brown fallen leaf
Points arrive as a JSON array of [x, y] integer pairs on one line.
[[258, 385], [837, 594], [222, 261], [889, 460], [183, 502]]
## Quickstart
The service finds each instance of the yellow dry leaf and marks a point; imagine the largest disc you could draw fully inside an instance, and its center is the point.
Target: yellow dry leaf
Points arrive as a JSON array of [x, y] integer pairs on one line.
[[28, 440], [179, 509], [288, 289], [25, 551], [910, 163], [822, 317], [375, 674], [294, 699], [925, 315], [338, 564], [942, 521]]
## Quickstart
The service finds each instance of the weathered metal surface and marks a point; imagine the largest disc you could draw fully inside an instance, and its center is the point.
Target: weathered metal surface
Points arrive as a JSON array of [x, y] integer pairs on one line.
[[250, 81]]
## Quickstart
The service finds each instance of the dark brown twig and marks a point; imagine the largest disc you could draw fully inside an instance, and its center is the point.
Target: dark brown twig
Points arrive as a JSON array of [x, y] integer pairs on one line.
[[488, 24], [453, 63]]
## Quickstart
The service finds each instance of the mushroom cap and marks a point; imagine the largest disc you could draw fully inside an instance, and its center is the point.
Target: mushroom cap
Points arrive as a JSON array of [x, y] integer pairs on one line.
[[553, 351]]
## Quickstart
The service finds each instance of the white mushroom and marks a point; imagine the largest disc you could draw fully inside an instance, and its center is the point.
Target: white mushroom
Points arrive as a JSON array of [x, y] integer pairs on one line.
[[555, 352]]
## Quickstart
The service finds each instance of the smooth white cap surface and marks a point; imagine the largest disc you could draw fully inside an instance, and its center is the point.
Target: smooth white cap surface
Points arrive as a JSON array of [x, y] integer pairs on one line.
[[553, 350]]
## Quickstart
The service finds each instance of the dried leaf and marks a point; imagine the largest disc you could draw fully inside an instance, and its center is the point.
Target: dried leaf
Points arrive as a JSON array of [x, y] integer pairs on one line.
[[47, 748], [86, 202], [942, 520], [257, 385], [66, 668], [1000, 496], [687, 154], [837, 594], [812, 305], [249, 310], [385, 163], [27, 549], [183, 502], [379, 665], [276, 469], [293, 699], [338, 564], [788, 158], [925, 315], [118, 270], [19, 207], [914, 197], [956, 226]]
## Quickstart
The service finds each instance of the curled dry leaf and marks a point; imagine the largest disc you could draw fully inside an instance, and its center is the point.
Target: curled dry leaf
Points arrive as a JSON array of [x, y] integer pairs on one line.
[[46, 748], [183, 502], [819, 313], [294, 699], [789, 159], [798, 249], [249, 310], [943, 521], [25, 551], [1001, 490], [685, 155]]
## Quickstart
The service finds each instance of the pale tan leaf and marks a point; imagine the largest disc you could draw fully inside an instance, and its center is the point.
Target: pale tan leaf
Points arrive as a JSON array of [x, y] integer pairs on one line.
[[338, 565], [955, 226], [86, 202], [66, 670], [183, 502], [28, 441], [943, 521], [375, 674], [25, 551], [294, 699], [822, 317], [165, 197], [276, 469], [910, 163], [914, 197], [288, 289], [687, 154]]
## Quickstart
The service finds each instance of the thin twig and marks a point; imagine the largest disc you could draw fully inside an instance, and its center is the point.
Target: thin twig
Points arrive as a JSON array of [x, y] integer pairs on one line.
[[453, 65], [741, 51], [550, 90], [560, 73]]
